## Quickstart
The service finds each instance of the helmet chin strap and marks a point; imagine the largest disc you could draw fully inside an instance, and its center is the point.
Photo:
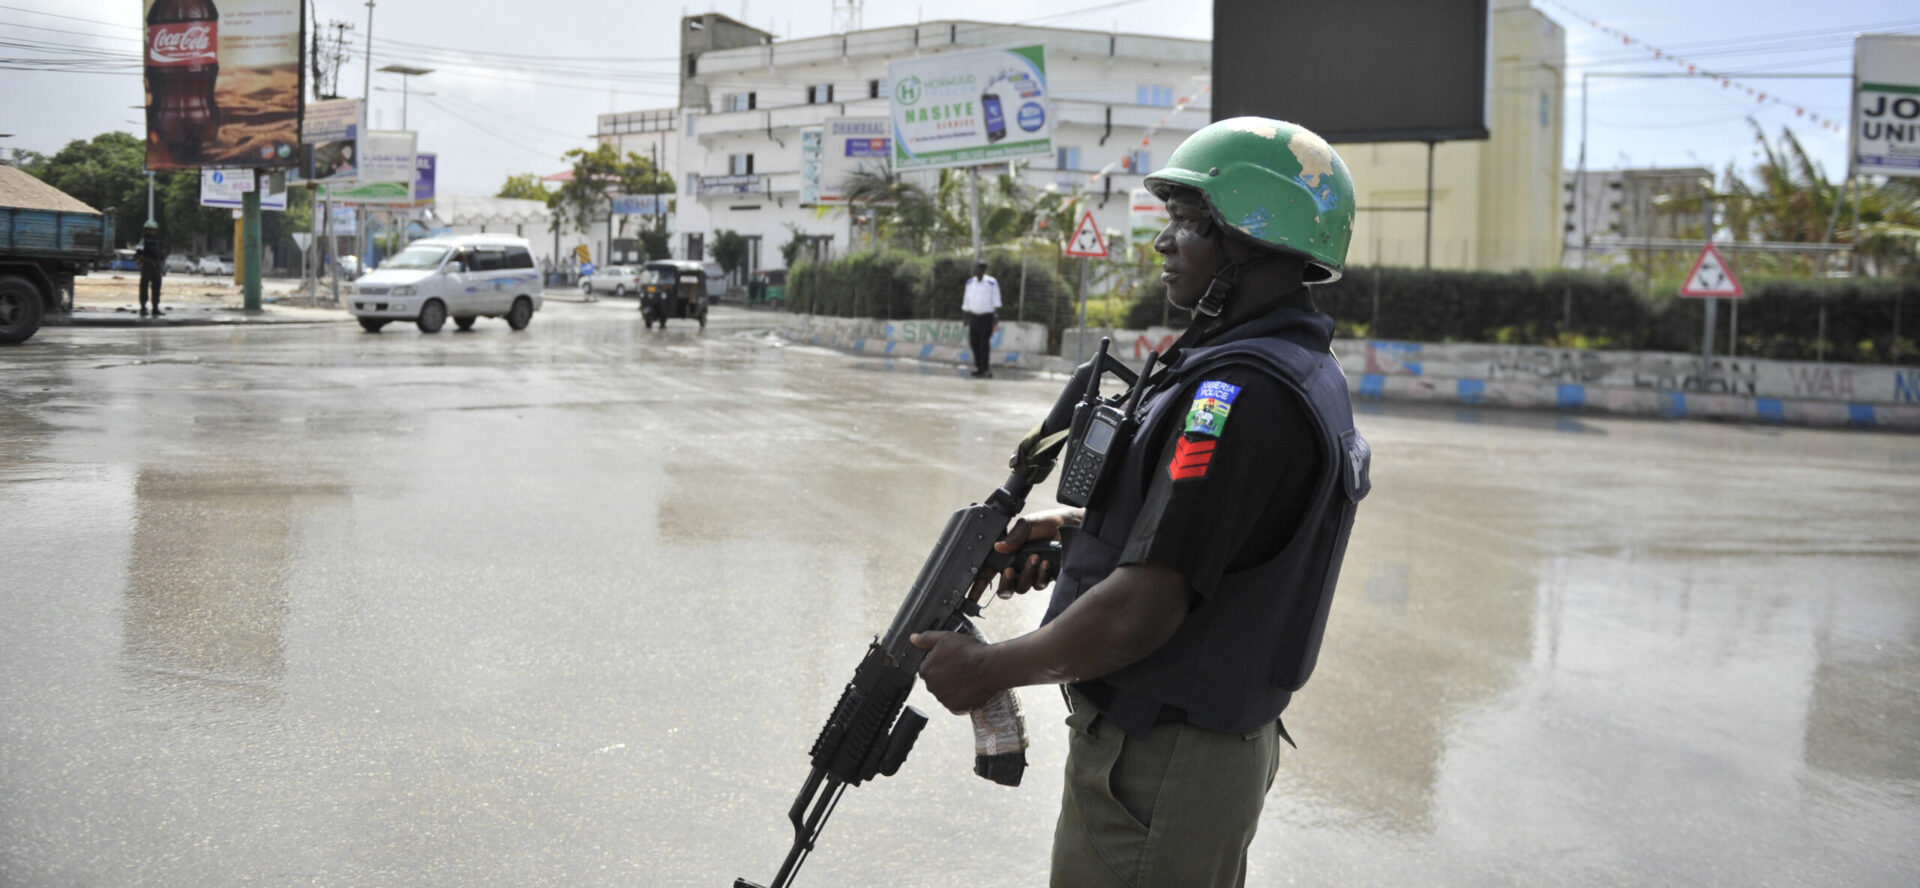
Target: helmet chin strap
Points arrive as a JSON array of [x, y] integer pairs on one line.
[[1206, 312]]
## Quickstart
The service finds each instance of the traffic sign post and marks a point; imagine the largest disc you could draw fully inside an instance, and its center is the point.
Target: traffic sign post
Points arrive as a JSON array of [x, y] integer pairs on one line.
[[1086, 243], [1711, 280]]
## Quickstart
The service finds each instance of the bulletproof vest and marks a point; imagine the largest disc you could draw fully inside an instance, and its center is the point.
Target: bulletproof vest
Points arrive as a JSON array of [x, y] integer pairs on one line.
[[1243, 650]]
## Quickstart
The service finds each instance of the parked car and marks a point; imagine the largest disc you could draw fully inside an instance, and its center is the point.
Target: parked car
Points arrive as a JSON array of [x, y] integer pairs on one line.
[[350, 267], [124, 260], [181, 262], [462, 277], [216, 265], [619, 280]]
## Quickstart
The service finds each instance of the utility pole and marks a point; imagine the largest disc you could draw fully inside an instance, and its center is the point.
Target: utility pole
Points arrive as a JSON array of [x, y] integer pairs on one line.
[[366, 71], [250, 253]]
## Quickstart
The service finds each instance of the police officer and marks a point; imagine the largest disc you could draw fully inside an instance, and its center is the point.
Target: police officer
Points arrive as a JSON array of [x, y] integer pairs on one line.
[[151, 256], [1195, 588]]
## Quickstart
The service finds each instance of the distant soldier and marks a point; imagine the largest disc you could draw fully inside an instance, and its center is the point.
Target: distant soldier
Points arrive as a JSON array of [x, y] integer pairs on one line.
[[152, 258]]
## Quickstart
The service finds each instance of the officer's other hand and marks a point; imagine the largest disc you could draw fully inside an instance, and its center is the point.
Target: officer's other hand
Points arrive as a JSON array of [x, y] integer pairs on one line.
[[954, 670], [1032, 527]]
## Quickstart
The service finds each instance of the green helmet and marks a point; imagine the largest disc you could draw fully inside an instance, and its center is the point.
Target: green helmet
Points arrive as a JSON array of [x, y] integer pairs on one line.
[[1275, 182]]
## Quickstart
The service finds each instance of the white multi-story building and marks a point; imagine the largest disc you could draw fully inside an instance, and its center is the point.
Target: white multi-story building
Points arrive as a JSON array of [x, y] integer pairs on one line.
[[1607, 210], [733, 144]]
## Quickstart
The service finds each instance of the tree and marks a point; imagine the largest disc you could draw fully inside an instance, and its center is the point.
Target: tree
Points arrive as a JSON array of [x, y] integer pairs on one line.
[[525, 186], [602, 172], [730, 250], [28, 159], [919, 219], [106, 172], [1790, 199]]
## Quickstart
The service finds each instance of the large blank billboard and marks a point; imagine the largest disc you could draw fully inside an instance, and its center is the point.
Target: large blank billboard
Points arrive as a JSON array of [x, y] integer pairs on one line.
[[1357, 70]]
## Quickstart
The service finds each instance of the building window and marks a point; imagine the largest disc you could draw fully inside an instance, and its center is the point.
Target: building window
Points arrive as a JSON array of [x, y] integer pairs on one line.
[[873, 89], [820, 94], [738, 101], [1067, 158], [1153, 95], [693, 65], [1140, 160], [739, 164], [695, 247]]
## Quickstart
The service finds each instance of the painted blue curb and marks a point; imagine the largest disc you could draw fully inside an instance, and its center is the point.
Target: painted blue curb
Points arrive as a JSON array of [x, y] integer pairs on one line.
[[1769, 410], [1673, 405], [1471, 391], [1860, 415], [1572, 397], [1372, 385]]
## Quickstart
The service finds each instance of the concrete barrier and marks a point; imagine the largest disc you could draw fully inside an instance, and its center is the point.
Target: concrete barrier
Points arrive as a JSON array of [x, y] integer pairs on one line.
[[1015, 343], [1646, 384], [1659, 384]]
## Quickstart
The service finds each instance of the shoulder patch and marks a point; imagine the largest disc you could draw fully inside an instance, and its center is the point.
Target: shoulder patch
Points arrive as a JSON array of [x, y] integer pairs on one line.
[[1211, 404]]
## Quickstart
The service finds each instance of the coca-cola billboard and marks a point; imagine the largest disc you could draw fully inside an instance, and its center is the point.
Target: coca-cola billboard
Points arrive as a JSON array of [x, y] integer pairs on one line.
[[224, 83]]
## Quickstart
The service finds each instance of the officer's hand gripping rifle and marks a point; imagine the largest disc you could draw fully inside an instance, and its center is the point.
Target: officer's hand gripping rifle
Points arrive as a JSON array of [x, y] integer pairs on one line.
[[867, 734]]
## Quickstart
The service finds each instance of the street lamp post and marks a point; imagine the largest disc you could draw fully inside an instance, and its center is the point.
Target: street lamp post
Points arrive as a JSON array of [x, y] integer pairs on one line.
[[407, 73]]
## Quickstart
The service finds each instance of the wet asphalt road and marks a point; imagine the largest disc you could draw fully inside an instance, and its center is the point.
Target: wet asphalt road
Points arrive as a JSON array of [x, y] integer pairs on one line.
[[301, 605]]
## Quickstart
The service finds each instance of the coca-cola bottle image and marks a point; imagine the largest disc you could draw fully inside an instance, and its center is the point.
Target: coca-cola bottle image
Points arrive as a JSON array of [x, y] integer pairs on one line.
[[183, 61]]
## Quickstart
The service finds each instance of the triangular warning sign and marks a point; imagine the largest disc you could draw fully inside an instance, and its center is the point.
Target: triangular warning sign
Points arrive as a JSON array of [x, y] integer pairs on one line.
[[1711, 277], [1086, 240]]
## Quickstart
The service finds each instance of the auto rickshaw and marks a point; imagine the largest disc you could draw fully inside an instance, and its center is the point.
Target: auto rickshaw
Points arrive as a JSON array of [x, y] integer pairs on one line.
[[673, 289], [768, 285]]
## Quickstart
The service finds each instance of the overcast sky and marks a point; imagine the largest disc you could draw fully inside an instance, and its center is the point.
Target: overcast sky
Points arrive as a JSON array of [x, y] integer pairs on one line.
[[490, 116]]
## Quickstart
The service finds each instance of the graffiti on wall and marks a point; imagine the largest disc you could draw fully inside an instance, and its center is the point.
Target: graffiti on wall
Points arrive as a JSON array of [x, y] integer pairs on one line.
[[1546, 364], [1723, 377], [1906, 385], [1828, 383]]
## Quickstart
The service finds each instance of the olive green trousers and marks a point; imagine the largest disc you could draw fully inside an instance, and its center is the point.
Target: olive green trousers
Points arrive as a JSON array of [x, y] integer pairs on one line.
[[1175, 807]]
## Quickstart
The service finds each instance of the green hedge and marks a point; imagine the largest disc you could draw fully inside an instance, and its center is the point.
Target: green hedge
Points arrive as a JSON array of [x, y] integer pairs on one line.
[[889, 284], [1779, 319]]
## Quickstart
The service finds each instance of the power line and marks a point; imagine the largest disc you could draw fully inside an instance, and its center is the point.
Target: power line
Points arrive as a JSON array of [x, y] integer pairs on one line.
[[485, 130], [72, 18]]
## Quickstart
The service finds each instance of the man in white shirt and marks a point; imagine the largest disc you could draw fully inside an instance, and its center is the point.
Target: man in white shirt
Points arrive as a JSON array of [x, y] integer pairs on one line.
[[981, 302]]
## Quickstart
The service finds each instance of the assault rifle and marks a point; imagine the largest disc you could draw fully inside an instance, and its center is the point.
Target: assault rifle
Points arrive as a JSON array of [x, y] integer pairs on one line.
[[867, 734]]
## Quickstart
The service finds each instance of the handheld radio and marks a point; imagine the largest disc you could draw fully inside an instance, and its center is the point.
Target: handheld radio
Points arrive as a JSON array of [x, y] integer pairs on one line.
[[1099, 436]]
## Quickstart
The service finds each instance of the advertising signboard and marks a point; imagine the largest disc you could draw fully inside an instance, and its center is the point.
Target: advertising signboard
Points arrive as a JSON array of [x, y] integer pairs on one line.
[[1358, 70], [346, 221], [223, 188], [1146, 217], [750, 183], [640, 204], [386, 170], [423, 175], [850, 144], [1886, 103], [810, 166], [969, 108], [329, 140], [223, 84]]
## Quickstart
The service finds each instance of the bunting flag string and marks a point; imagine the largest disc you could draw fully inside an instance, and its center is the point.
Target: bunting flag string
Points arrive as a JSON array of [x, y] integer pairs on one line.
[[1727, 83], [1125, 161]]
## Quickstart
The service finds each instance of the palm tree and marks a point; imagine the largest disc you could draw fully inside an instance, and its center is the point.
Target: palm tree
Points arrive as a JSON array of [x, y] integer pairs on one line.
[[1791, 199]]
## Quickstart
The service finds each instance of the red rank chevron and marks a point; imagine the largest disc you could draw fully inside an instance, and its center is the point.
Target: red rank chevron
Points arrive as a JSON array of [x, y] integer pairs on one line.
[[1190, 459]]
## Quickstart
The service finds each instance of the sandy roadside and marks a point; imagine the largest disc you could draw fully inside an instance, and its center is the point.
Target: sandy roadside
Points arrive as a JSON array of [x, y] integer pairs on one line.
[[120, 290]]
